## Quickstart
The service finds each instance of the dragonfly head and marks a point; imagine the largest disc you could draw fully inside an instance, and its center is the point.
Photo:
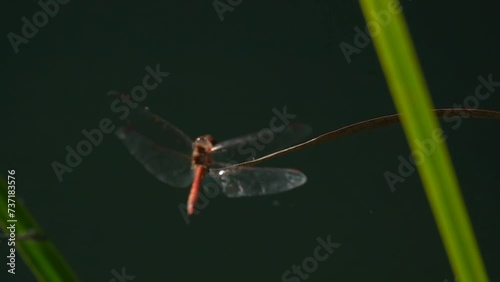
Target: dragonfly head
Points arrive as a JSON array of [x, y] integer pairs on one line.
[[206, 142]]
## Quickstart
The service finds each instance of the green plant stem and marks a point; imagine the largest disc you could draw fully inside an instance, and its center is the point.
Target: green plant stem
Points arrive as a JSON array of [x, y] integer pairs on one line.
[[412, 100], [41, 256]]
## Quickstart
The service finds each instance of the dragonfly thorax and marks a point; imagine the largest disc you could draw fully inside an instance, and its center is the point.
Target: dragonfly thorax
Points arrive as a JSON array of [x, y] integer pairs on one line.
[[202, 147]]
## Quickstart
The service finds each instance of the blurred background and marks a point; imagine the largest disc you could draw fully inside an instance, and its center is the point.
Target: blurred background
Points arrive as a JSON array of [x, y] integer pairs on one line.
[[228, 71]]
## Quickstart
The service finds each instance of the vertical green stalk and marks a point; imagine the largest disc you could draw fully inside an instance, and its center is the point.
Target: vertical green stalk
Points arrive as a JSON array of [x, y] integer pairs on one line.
[[39, 254], [412, 100]]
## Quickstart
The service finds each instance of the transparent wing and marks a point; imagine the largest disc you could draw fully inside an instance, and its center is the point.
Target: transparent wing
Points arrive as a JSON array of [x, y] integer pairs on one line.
[[257, 181], [259, 144], [159, 146]]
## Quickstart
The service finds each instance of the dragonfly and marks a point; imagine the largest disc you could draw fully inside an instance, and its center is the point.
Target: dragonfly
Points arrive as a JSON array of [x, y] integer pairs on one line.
[[175, 159]]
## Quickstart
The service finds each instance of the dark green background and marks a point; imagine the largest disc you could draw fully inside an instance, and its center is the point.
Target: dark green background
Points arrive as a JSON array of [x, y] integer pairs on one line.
[[226, 77]]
